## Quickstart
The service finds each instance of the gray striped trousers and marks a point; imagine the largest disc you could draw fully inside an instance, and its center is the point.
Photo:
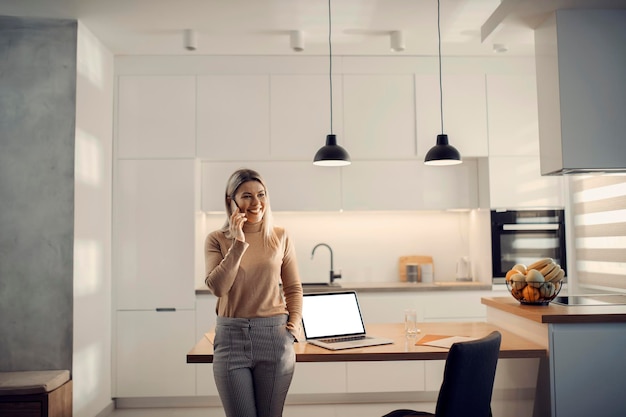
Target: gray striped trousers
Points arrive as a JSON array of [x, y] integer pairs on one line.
[[253, 364]]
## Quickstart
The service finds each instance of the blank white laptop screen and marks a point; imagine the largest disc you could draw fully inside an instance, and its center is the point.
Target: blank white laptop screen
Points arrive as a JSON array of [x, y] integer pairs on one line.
[[331, 314]]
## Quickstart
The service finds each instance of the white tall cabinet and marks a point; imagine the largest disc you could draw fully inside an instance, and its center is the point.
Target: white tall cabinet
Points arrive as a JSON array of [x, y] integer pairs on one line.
[[153, 236], [154, 250]]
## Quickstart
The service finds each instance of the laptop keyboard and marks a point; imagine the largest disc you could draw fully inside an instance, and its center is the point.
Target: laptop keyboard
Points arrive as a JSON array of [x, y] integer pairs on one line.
[[342, 339]]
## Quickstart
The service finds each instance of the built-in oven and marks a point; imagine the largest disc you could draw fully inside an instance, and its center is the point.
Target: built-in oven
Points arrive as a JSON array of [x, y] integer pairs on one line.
[[525, 236]]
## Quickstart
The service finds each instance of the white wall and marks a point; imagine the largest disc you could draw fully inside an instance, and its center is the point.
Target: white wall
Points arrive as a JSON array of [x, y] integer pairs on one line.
[[367, 245], [92, 244]]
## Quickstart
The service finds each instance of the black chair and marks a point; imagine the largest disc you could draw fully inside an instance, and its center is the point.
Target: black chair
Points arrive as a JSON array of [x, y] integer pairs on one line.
[[467, 380]]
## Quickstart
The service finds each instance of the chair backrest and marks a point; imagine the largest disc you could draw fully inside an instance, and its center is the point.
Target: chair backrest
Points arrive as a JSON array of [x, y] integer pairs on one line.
[[468, 378]]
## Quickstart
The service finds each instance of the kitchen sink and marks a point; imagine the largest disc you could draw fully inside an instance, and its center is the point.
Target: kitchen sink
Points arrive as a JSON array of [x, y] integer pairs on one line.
[[590, 300]]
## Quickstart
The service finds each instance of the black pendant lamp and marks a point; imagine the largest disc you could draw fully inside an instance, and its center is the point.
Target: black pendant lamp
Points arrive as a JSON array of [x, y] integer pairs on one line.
[[331, 154], [442, 153]]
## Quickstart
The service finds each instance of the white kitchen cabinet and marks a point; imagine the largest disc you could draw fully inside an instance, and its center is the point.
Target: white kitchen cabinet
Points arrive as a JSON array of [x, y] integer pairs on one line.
[[379, 116], [150, 353], [233, 117], [292, 185], [300, 115], [464, 113], [430, 306], [454, 306], [513, 119], [156, 116], [153, 234], [516, 182], [319, 378], [376, 185], [409, 185], [386, 376], [515, 179]]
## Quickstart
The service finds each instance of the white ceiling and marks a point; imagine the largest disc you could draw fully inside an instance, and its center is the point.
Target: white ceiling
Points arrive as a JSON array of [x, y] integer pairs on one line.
[[262, 27]]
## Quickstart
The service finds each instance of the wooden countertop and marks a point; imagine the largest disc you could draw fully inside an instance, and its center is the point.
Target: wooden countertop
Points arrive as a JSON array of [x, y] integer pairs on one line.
[[390, 287], [554, 313], [512, 346]]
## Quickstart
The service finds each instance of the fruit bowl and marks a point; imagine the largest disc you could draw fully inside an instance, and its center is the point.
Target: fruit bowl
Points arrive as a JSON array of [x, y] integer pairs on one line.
[[534, 293], [537, 284]]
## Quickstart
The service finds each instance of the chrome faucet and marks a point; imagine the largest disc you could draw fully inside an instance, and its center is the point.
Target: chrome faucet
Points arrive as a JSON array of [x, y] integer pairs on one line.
[[333, 276]]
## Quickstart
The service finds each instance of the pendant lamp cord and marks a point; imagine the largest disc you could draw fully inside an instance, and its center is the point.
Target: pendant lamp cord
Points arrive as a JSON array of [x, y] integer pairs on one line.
[[440, 82], [330, 70]]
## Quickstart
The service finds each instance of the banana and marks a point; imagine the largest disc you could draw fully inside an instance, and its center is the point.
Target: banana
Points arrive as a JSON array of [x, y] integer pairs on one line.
[[553, 273], [547, 269], [540, 263], [559, 276]]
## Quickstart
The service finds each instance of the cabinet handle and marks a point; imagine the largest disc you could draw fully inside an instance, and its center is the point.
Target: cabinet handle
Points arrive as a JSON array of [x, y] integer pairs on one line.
[[163, 309]]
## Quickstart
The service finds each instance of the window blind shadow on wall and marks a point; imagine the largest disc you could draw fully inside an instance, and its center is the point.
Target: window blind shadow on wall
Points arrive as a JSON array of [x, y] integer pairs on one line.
[[599, 217]]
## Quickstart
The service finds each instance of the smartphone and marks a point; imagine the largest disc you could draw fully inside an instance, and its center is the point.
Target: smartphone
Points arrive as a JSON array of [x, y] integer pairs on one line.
[[236, 206]]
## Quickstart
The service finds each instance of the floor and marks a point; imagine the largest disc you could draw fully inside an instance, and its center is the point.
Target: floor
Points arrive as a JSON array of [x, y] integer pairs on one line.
[[365, 410]]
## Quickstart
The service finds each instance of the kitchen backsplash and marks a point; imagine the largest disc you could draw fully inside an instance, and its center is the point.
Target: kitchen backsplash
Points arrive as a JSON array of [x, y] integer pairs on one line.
[[366, 245]]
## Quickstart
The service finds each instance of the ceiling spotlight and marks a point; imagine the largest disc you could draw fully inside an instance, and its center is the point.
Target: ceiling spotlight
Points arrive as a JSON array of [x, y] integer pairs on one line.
[[397, 41], [189, 40], [297, 40], [499, 48]]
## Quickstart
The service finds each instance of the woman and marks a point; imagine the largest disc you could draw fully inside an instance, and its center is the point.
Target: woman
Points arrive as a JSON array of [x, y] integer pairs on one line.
[[257, 324]]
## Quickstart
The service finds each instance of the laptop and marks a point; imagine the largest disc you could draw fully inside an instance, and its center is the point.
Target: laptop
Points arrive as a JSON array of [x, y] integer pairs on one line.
[[333, 321]]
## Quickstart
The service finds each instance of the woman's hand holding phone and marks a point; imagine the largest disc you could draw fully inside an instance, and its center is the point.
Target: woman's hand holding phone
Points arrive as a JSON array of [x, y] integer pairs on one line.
[[237, 219]]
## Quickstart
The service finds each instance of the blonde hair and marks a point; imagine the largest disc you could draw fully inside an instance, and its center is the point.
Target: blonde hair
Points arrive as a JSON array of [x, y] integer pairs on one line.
[[234, 182]]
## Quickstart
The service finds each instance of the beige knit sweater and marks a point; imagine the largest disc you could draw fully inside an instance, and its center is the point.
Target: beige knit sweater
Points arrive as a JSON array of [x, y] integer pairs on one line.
[[246, 276]]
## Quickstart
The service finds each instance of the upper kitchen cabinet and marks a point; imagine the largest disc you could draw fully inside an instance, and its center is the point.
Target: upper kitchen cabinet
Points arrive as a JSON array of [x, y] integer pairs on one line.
[[156, 116], [464, 113], [516, 182], [409, 185], [292, 185], [233, 117], [300, 115], [513, 119], [379, 116], [154, 234]]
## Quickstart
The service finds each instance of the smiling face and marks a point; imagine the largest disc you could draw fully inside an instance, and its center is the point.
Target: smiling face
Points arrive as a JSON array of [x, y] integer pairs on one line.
[[250, 197]]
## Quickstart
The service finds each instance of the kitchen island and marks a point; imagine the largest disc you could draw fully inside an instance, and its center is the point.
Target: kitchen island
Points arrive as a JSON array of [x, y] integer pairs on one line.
[[585, 371]]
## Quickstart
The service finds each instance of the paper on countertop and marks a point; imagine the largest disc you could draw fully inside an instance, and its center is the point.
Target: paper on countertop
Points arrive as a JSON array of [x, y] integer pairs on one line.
[[443, 341]]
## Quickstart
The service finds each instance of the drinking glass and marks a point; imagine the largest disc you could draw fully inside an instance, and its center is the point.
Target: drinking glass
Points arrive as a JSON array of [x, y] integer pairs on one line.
[[410, 323]]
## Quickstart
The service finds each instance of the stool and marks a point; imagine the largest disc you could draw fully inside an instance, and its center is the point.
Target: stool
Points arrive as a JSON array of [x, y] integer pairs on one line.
[[36, 394]]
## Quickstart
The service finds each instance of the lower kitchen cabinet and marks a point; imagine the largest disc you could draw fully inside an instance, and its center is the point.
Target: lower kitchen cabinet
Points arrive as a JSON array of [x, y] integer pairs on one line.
[[205, 322], [319, 378], [385, 376], [205, 384], [150, 354]]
